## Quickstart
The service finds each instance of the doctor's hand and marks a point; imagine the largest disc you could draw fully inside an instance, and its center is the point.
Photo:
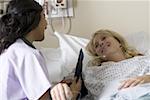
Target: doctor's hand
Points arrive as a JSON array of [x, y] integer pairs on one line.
[[61, 91], [135, 81], [76, 87]]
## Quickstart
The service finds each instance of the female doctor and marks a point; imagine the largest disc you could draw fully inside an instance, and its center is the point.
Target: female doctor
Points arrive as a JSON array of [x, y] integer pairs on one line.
[[23, 72]]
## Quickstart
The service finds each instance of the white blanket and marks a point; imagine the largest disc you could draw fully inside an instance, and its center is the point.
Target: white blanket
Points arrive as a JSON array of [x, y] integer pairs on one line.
[[133, 93]]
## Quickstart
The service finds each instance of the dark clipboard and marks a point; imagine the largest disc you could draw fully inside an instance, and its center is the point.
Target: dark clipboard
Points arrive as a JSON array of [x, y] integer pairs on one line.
[[78, 70], [78, 74]]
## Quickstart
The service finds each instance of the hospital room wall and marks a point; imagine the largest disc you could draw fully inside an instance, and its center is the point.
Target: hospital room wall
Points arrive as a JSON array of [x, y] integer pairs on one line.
[[149, 19], [123, 16]]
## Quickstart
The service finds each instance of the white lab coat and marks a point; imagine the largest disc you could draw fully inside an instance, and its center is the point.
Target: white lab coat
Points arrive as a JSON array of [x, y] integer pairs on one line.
[[23, 73]]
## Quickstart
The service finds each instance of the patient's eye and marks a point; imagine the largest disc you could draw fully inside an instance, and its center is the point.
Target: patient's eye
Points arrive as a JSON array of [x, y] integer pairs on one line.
[[96, 45], [103, 38]]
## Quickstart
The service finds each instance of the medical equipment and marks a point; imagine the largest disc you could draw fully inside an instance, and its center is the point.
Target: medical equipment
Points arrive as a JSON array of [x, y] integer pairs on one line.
[[1, 8], [58, 10], [3, 4], [59, 3], [61, 10]]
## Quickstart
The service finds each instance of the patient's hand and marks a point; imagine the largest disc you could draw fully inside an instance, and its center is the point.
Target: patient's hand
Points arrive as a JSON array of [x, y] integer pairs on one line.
[[135, 81]]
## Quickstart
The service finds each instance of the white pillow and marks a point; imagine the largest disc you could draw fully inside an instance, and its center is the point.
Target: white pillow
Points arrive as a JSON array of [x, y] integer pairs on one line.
[[139, 40], [53, 63], [147, 52]]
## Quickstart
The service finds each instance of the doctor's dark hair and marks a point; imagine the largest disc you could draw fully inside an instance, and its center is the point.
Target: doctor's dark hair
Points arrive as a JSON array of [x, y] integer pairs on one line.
[[22, 16]]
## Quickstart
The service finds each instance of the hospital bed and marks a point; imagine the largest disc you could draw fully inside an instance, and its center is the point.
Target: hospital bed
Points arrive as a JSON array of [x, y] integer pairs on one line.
[[62, 60]]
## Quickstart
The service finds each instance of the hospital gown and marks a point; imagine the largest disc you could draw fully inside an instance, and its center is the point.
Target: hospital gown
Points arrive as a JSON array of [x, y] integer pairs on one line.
[[103, 81], [23, 74]]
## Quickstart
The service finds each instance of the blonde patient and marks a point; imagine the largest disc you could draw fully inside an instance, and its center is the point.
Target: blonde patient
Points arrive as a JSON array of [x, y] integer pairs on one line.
[[113, 59]]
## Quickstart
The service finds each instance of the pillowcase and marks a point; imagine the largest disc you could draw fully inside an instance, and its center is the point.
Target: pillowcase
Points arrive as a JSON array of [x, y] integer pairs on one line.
[[139, 40], [147, 52]]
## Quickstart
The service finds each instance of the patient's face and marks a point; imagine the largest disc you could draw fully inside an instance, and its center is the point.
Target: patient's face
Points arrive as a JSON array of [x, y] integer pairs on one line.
[[105, 45]]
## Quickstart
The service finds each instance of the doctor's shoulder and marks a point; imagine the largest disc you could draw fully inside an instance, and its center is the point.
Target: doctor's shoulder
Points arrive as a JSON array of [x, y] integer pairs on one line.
[[21, 49]]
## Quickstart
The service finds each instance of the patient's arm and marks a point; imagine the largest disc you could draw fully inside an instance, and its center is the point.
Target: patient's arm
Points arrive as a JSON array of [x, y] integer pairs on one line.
[[135, 81]]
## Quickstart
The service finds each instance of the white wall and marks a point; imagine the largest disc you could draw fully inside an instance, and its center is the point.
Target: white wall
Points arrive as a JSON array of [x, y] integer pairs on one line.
[[124, 16], [149, 20]]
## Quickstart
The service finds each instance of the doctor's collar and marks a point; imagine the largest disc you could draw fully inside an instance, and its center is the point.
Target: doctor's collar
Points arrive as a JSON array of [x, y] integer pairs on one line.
[[28, 43]]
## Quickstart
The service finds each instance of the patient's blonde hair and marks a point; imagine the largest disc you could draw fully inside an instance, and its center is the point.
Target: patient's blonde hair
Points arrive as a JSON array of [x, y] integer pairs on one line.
[[127, 50]]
